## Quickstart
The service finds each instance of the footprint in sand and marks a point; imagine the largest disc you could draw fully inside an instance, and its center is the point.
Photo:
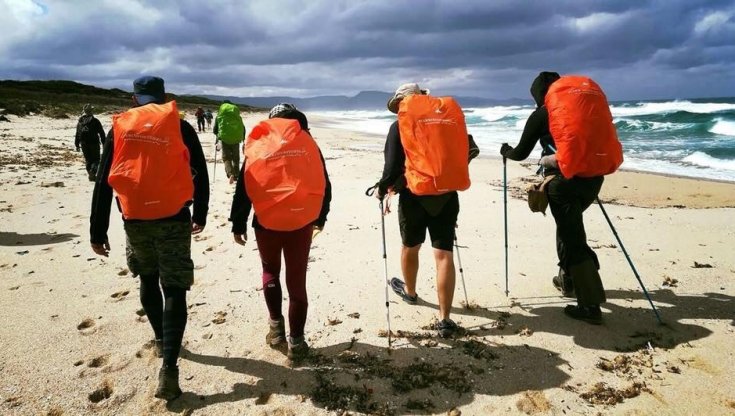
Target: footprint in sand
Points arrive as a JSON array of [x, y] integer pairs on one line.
[[219, 317], [13, 401], [55, 411], [150, 350], [120, 295], [102, 393], [116, 366], [86, 324], [98, 361]]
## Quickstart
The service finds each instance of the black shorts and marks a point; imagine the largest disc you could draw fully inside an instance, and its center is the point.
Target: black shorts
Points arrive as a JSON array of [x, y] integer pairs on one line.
[[437, 213]]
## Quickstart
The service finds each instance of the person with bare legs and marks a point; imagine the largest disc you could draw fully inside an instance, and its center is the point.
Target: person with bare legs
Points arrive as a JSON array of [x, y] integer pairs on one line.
[[421, 206]]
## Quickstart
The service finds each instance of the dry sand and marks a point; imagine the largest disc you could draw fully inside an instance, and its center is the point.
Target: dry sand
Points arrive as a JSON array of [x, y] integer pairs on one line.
[[72, 341]]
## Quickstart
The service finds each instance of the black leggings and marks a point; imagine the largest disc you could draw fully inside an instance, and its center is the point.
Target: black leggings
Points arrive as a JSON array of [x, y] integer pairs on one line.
[[168, 319]]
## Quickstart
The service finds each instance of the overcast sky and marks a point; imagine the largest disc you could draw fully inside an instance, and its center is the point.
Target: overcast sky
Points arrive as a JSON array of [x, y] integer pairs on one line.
[[635, 49]]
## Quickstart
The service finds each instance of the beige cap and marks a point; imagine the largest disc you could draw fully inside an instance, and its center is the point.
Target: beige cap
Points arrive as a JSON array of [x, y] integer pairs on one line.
[[404, 91]]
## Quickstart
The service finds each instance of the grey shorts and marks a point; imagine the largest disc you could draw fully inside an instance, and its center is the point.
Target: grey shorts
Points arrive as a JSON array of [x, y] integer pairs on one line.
[[162, 248]]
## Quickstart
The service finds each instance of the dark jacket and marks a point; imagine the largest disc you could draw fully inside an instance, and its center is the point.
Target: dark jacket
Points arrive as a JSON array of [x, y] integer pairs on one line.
[[102, 196], [394, 168], [537, 125], [89, 130]]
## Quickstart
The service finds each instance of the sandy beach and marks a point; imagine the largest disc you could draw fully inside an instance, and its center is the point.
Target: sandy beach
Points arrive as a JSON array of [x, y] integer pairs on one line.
[[73, 341]]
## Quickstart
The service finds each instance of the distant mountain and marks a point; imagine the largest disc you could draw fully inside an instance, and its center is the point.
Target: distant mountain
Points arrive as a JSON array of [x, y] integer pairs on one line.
[[365, 100], [60, 99]]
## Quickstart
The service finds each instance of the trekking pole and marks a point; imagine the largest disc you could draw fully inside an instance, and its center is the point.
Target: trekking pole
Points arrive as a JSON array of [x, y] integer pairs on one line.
[[625, 252], [385, 261], [370, 191], [635, 272], [461, 271], [214, 173], [505, 218]]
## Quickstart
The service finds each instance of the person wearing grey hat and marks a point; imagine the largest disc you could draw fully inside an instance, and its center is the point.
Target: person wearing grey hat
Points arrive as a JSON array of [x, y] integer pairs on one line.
[[89, 137], [157, 250], [416, 214]]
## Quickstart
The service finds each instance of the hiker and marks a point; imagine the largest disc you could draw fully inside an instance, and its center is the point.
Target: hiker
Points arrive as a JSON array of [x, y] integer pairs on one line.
[[422, 205], [208, 117], [154, 162], [200, 119], [570, 193], [230, 131], [288, 226], [89, 137]]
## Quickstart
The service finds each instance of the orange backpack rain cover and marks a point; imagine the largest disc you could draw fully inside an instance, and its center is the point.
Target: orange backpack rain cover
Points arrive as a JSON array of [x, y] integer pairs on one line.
[[434, 137], [150, 169], [284, 175], [582, 127]]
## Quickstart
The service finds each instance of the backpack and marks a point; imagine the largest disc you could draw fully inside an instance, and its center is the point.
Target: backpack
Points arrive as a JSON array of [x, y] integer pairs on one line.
[[229, 124], [150, 169], [284, 175], [85, 131], [434, 138], [582, 127]]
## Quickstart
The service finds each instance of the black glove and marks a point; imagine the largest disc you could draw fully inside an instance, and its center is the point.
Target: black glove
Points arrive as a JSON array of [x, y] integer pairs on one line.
[[505, 149], [380, 191]]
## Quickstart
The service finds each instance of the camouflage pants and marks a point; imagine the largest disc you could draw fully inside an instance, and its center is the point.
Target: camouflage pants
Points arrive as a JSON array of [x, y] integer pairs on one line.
[[231, 158], [161, 248]]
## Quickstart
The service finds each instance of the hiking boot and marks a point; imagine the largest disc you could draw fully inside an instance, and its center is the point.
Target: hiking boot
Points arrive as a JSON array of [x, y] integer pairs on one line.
[[168, 384], [298, 349], [399, 288], [589, 314], [276, 332], [446, 328], [563, 283]]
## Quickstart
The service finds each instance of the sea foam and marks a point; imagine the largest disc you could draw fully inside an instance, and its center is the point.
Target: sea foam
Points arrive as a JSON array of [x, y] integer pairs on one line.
[[704, 160], [723, 127]]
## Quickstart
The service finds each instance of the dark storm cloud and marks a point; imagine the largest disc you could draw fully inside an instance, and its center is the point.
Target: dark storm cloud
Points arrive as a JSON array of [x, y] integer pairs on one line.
[[489, 48]]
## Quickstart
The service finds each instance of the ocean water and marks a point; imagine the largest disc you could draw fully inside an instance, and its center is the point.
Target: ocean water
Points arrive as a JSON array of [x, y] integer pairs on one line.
[[693, 138]]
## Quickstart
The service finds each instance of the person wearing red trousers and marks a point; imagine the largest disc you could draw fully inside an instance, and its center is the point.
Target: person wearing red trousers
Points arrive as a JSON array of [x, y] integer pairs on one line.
[[294, 245]]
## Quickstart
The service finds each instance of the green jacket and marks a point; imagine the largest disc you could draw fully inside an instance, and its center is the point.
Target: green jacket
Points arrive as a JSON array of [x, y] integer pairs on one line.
[[228, 126]]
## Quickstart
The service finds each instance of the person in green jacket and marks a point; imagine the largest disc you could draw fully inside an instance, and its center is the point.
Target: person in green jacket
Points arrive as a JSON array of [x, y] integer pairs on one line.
[[230, 132]]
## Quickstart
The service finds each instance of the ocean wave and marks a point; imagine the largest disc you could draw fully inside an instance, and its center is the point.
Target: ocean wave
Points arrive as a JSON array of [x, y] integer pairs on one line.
[[723, 127], [679, 139], [704, 160], [638, 109], [678, 168], [502, 113], [633, 125]]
